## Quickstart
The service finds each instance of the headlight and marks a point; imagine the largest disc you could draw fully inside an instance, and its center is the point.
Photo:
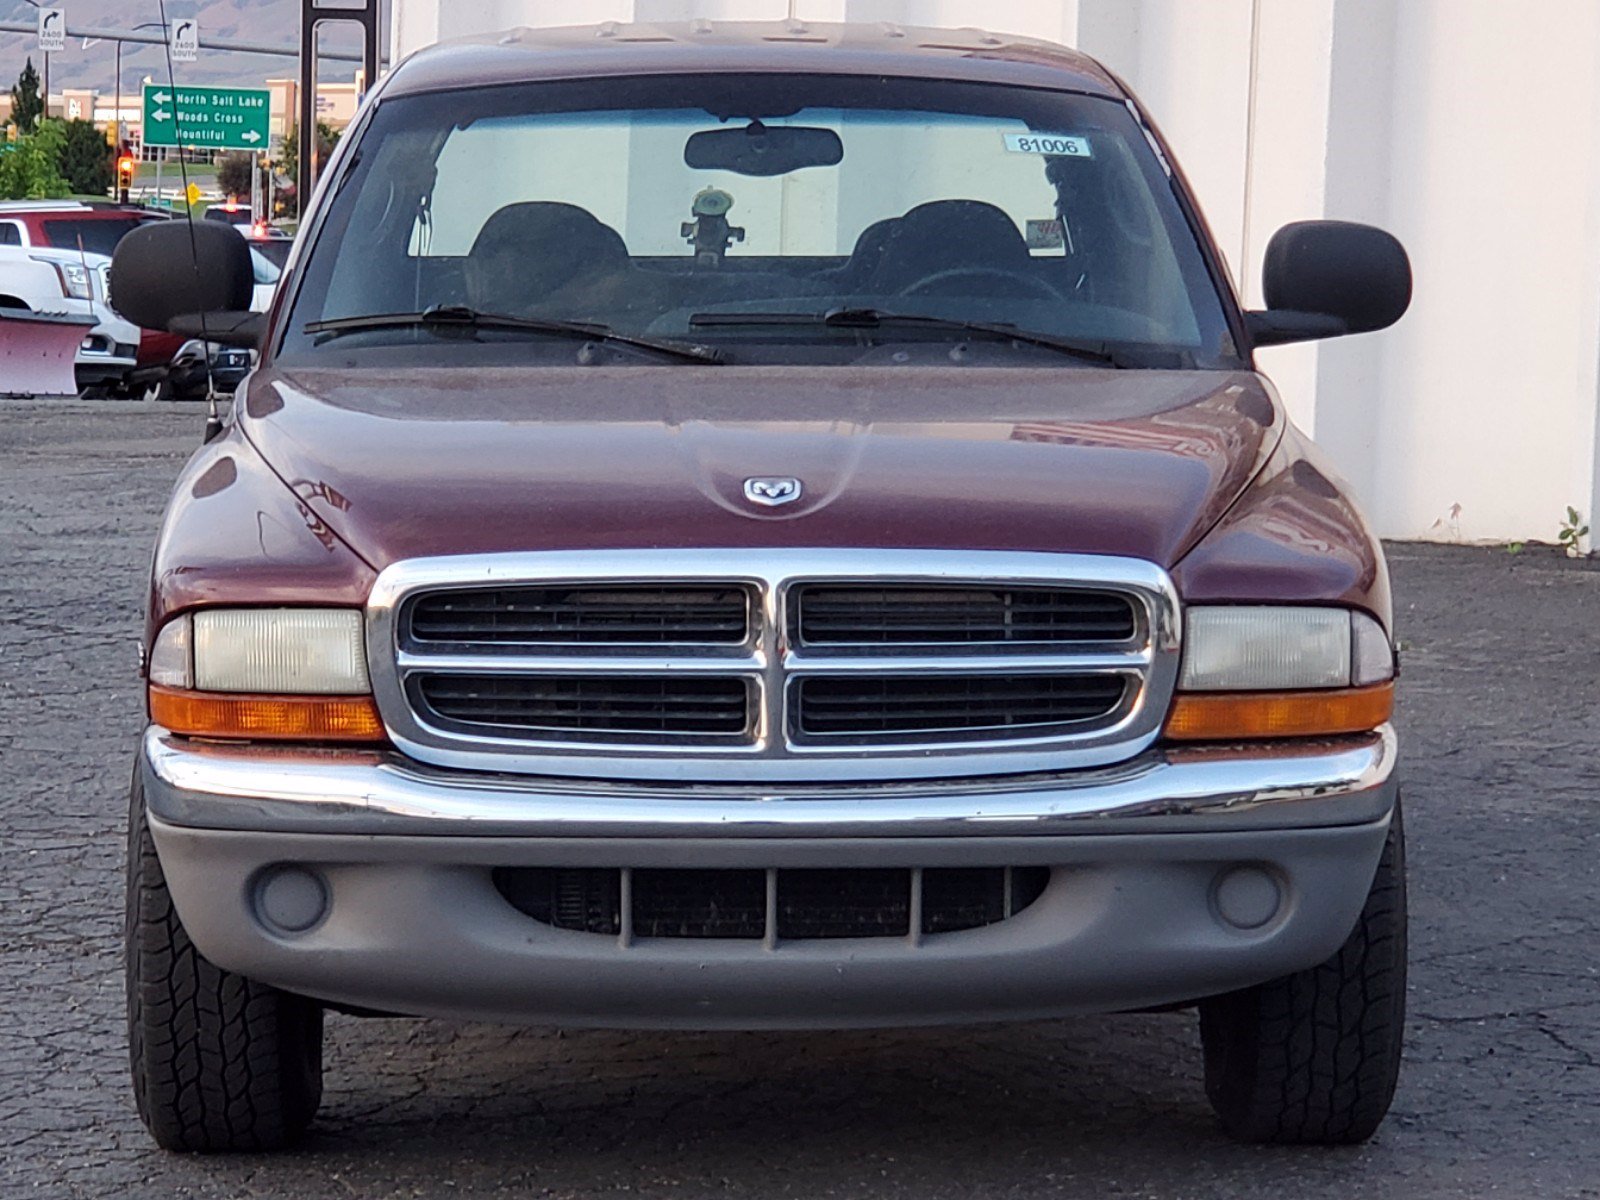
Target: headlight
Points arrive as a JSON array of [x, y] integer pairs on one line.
[[1239, 649], [264, 673], [1277, 671]]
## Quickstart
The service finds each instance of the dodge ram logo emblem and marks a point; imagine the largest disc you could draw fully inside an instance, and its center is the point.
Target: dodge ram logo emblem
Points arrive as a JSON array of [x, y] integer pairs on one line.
[[771, 490]]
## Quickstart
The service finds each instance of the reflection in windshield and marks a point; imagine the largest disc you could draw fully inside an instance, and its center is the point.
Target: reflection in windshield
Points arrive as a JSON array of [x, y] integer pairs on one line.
[[641, 206]]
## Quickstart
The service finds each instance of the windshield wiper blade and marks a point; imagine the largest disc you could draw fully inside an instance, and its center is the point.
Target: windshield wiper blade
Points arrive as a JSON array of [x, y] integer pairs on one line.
[[457, 316], [877, 318]]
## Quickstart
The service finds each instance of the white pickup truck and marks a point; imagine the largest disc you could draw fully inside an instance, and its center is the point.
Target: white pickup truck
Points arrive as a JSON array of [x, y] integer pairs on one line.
[[45, 280]]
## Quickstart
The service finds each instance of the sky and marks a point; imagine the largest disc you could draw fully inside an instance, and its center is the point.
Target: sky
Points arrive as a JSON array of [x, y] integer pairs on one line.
[[274, 22]]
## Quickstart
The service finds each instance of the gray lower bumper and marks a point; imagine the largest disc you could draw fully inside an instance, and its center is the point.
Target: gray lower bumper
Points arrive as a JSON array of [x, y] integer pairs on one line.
[[414, 924]]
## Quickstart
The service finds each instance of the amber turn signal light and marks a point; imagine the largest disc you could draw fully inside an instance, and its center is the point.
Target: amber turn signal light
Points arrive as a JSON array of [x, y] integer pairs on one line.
[[266, 718], [1232, 716]]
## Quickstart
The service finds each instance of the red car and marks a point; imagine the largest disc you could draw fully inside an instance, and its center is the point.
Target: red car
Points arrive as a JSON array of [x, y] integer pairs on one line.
[[93, 228], [738, 531]]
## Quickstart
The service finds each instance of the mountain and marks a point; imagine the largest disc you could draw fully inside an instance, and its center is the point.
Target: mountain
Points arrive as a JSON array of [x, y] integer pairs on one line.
[[267, 22]]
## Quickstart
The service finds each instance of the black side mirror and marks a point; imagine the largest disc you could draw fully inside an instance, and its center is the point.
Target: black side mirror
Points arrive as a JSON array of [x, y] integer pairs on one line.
[[169, 275], [1326, 279]]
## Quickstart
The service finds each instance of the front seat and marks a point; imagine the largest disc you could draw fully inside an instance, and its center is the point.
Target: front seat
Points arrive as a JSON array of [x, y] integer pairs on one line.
[[948, 235], [551, 258]]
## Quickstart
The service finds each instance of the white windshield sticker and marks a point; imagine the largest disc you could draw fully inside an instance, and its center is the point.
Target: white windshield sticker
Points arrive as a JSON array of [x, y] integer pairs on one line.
[[1060, 144]]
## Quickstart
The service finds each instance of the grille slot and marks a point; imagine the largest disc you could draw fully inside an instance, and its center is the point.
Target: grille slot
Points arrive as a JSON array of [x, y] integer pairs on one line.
[[812, 904], [682, 706], [844, 903], [639, 615], [857, 615], [699, 904], [853, 706]]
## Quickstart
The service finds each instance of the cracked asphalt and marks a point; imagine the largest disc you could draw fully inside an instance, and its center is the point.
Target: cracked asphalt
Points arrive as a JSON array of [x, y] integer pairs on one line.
[[1501, 658]]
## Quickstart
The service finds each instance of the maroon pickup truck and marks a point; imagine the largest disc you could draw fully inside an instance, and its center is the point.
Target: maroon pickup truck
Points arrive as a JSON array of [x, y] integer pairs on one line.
[[750, 527]]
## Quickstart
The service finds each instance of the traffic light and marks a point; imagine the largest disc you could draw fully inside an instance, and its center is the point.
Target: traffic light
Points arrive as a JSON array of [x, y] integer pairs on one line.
[[126, 165]]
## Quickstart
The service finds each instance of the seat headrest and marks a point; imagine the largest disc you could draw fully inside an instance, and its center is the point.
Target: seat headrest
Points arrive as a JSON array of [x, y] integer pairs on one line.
[[539, 246], [946, 235]]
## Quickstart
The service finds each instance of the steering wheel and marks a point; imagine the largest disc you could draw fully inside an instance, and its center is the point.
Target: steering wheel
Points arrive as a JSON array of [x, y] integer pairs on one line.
[[1013, 284]]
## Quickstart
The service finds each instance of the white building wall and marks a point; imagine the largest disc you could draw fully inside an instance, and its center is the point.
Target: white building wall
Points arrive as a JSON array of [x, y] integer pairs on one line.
[[1471, 128]]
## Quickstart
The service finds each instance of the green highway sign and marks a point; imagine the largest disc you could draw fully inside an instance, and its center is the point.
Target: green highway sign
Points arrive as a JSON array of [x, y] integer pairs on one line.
[[206, 118]]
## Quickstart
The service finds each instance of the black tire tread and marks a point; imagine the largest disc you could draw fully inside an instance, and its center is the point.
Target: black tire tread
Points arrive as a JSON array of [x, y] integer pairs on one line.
[[220, 1062], [1314, 1057]]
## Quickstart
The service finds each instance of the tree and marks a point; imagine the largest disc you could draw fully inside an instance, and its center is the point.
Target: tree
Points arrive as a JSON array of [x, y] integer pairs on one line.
[[27, 107], [29, 166], [288, 161], [88, 163], [233, 175]]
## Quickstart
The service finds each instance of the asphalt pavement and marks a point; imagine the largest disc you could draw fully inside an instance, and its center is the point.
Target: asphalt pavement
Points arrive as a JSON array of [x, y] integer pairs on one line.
[[1501, 653]]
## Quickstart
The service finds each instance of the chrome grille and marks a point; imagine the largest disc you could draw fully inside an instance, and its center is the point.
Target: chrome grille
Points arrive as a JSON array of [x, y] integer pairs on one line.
[[773, 905], [561, 705], [859, 614], [842, 706], [642, 615], [773, 665]]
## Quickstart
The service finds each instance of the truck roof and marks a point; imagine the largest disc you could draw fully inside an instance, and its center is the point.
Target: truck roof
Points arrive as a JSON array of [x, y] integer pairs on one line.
[[753, 47]]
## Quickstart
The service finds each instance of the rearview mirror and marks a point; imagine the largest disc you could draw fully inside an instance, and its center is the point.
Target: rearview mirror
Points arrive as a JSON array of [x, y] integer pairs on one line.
[[174, 276], [1326, 279], [759, 149]]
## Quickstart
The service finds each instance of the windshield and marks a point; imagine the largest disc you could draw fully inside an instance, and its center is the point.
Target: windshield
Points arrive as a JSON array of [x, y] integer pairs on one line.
[[737, 212], [97, 235]]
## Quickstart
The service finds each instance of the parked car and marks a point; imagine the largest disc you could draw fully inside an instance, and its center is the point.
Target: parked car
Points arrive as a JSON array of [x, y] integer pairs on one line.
[[90, 227], [45, 280], [273, 244], [732, 531], [231, 212], [70, 224], [199, 365]]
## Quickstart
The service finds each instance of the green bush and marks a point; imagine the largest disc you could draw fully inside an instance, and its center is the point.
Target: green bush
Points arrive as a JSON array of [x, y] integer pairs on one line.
[[30, 167]]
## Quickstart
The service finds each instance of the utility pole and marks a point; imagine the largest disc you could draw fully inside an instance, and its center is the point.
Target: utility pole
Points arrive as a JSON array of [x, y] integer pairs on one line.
[[313, 15], [121, 124]]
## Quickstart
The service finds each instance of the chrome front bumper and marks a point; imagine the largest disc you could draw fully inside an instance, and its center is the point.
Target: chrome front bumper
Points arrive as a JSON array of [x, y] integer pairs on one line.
[[1343, 782], [414, 924]]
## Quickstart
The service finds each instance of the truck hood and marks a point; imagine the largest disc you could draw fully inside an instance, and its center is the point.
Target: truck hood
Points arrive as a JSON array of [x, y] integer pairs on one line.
[[440, 461]]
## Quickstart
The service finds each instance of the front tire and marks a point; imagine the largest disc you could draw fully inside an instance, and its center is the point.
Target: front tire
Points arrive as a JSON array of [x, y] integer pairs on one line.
[[1313, 1057], [220, 1063]]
